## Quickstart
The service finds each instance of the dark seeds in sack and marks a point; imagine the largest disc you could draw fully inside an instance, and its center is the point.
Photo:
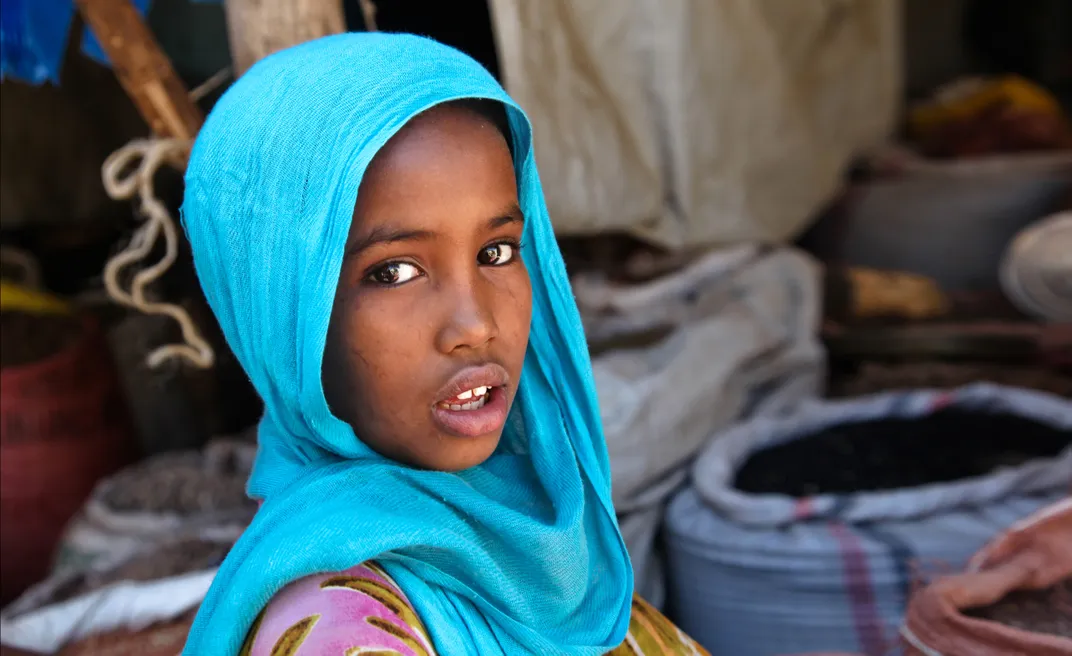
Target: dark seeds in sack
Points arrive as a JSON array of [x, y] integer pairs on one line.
[[891, 453], [1039, 611], [26, 338], [182, 485]]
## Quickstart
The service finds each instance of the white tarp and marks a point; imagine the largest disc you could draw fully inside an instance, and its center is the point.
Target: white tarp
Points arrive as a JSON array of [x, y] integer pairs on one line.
[[694, 122]]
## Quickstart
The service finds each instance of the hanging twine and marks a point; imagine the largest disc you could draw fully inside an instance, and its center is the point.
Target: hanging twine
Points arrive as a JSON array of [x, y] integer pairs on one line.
[[142, 158]]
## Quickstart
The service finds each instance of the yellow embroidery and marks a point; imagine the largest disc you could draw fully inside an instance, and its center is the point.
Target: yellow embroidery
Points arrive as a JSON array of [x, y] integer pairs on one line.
[[400, 634], [627, 648], [292, 639], [651, 634], [661, 628], [251, 637], [386, 596]]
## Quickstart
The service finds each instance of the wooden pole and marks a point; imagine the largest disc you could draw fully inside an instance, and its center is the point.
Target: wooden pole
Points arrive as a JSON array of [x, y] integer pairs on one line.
[[257, 28], [142, 68]]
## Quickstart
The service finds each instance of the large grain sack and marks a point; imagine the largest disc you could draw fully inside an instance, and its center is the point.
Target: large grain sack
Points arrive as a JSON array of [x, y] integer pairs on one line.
[[63, 427], [121, 605], [807, 533], [667, 381], [1016, 597], [166, 496]]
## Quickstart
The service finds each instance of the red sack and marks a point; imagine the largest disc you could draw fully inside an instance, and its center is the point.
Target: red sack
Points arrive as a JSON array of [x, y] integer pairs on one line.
[[1035, 554], [63, 427]]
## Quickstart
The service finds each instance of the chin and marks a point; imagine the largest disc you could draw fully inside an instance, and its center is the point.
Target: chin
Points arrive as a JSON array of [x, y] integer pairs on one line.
[[455, 454]]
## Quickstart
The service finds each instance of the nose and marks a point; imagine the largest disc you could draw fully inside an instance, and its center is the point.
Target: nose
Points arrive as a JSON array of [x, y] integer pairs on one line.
[[469, 322]]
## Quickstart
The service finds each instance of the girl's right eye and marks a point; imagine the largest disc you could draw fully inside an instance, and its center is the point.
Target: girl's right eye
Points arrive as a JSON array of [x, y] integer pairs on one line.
[[394, 273]]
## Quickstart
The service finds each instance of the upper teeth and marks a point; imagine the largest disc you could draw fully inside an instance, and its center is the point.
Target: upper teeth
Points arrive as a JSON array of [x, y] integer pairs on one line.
[[476, 391]]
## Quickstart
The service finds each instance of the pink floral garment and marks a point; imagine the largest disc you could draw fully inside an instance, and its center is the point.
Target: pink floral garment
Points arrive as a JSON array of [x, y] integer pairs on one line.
[[362, 612]]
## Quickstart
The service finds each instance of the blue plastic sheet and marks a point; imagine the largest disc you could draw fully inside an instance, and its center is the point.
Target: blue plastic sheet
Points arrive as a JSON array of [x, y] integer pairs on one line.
[[33, 37]]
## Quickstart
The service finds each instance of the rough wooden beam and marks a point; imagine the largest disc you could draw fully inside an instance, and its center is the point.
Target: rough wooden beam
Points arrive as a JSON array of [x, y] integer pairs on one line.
[[257, 28], [142, 68]]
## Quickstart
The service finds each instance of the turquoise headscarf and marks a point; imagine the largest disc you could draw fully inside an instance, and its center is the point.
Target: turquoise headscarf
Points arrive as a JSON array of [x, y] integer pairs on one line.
[[519, 555]]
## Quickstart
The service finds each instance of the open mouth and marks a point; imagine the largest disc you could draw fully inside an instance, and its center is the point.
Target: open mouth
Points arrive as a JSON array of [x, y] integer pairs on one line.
[[474, 403], [472, 413], [471, 399]]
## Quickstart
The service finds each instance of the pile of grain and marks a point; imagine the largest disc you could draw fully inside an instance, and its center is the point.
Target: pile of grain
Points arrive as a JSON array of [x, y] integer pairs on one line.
[[185, 484], [1046, 611], [893, 453]]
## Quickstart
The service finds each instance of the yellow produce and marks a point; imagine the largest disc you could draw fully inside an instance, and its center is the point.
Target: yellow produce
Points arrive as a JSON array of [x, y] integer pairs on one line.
[[966, 99], [895, 294]]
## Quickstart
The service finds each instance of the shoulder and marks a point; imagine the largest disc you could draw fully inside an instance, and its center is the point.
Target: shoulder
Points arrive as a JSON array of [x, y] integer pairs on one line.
[[354, 611], [362, 610]]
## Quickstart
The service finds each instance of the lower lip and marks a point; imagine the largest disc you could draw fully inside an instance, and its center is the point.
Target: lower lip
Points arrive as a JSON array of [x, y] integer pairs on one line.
[[474, 423]]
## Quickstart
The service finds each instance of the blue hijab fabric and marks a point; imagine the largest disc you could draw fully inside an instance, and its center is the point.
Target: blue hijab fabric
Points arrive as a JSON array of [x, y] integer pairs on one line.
[[519, 555]]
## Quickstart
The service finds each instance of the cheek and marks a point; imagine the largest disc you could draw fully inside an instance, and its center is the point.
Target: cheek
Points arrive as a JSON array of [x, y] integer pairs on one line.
[[520, 309], [383, 345]]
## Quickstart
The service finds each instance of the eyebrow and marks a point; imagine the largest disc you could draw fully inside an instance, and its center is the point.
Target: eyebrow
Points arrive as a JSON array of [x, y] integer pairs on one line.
[[510, 215], [388, 235]]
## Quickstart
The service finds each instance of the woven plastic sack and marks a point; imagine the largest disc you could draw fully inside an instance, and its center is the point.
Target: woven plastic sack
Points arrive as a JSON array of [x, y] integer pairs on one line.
[[101, 531], [63, 427], [48, 617], [662, 398], [1034, 554], [161, 639], [762, 575]]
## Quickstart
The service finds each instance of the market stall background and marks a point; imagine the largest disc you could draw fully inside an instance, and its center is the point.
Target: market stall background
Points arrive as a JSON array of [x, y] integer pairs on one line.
[[845, 223]]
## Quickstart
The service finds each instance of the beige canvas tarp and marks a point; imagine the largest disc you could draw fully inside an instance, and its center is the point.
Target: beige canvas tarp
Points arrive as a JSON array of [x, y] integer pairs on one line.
[[695, 122]]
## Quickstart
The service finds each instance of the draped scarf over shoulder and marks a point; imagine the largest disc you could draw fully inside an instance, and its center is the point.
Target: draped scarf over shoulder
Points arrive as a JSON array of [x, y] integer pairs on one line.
[[518, 555]]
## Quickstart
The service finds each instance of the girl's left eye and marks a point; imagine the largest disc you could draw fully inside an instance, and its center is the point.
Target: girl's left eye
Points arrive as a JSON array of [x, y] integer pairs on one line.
[[498, 254]]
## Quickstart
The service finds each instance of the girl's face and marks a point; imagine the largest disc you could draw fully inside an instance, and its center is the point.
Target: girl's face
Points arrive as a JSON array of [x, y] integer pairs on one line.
[[431, 317]]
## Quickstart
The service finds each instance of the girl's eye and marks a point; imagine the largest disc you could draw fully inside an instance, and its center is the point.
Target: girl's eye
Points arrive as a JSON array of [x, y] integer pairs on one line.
[[394, 273], [497, 254]]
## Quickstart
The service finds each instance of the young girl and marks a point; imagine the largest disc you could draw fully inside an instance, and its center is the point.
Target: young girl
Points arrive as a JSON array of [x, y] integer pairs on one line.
[[368, 226]]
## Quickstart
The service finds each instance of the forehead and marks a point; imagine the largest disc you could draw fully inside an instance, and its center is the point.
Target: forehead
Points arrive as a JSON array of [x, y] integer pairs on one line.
[[449, 163], [438, 136]]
